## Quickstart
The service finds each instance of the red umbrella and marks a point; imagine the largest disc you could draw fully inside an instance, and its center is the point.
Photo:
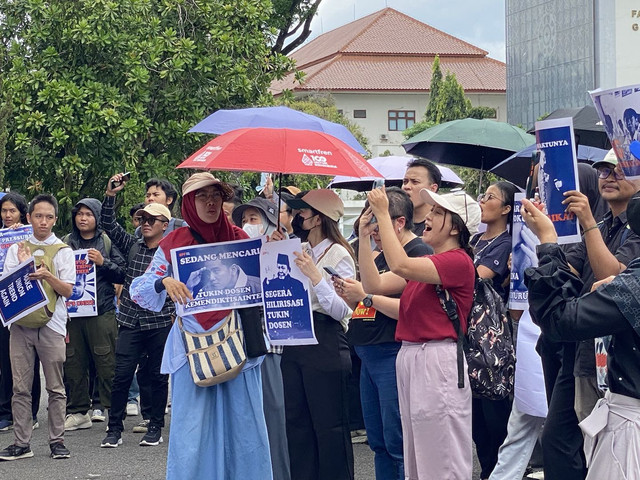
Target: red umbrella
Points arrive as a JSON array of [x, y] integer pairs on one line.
[[280, 150]]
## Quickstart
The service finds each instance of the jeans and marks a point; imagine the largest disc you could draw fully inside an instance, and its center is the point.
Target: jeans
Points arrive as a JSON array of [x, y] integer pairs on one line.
[[513, 457], [131, 342], [379, 397]]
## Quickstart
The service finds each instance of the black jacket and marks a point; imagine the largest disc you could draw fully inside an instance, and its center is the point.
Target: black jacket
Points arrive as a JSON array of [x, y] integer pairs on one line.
[[113, 269], [565, 316]]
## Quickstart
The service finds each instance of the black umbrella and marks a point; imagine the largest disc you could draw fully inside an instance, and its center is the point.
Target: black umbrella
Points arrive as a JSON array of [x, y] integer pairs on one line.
[[587, 126]]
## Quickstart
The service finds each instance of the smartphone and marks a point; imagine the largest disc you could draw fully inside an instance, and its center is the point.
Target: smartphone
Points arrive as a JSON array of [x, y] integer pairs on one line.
[[377, 183], [125, 178], [332, 271]]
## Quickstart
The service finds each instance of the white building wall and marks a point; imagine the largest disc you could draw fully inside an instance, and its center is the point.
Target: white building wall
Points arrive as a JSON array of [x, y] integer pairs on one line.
[[377, 104]]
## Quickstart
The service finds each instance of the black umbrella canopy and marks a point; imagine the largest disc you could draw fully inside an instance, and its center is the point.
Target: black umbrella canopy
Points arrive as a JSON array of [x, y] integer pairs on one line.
[[586, 125]]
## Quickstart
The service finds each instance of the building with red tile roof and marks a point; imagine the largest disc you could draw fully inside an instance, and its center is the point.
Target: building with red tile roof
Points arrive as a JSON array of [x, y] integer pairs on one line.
[[378, 70]]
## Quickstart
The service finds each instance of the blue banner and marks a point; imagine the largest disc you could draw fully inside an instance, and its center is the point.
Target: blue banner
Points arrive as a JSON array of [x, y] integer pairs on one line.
[[20, 296], [82, 302], [287, 305], [220, 276], [9, 236], [523, 256], [558, 173]]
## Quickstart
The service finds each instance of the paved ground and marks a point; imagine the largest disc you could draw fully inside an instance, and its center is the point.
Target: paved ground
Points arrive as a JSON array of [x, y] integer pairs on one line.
[[128, 461]]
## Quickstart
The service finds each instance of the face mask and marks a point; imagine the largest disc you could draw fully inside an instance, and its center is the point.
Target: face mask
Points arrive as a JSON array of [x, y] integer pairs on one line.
[[298, 229], [633, 213], [253, 230]]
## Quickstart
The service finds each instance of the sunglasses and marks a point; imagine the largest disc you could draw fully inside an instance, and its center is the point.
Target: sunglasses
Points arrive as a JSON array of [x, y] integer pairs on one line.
[[604, 172], [149, 220]]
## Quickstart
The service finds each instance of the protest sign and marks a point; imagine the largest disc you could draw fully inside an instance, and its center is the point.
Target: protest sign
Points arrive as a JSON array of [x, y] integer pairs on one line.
[[220, 276], [285, 291], [9, 236], [20, 296], [558, 173], [619, 111], [83, 301], [523, 256]]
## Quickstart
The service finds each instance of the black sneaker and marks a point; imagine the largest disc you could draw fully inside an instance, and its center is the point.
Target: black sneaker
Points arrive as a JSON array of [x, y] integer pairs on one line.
[[112, 440], [153, 436], [14, 452], [58, 450]]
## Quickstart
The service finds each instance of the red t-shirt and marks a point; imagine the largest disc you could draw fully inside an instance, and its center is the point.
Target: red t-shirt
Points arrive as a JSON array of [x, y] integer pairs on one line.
[[421, 316]]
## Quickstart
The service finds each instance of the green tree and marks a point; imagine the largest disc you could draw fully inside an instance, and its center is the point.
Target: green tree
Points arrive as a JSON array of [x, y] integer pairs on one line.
[[434, 91], [5, 112], [101, 86]]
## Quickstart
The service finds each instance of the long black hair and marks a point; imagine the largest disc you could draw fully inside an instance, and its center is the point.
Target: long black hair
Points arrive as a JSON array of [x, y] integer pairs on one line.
[[19, 201], [463, 233]]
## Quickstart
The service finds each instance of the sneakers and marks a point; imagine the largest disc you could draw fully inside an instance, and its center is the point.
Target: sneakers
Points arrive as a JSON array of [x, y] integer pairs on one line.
[[359, 436], [36, 424], [112, 440], [5, 425], [77, 421], [132, 409], [142, 427], [153, 436], [58, 450], [98, 415], [14, 452]]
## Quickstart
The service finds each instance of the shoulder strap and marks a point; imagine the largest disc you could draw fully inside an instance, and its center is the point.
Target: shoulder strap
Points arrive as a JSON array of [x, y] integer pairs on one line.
[[133, 251], [197, 236], [178, 222], [450, 308]]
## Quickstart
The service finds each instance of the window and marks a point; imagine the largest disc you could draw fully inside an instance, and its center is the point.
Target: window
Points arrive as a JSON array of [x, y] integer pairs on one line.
[[359, 114], [400, 120]]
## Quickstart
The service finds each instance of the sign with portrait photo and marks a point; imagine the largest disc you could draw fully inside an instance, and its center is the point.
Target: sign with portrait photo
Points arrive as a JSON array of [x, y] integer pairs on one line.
[[523, 256], [220, 276], [83, 302], [285, 289]]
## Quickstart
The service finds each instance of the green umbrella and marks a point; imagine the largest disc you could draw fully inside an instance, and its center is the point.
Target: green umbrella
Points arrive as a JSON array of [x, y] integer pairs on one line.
[[479, 144]]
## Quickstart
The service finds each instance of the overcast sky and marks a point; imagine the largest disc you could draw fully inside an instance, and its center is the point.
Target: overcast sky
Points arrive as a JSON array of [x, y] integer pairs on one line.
[[479, 22]]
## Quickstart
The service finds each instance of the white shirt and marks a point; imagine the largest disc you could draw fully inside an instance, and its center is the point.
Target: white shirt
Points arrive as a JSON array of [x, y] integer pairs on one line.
[[65, 269]]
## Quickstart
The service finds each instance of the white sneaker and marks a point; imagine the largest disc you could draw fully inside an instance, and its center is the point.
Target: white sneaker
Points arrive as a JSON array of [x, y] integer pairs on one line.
[[132, 409], [77, 421], [98, 415]]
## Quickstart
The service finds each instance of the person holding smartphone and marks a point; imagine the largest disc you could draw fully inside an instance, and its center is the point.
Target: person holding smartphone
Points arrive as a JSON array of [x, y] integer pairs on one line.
[[315, 376]]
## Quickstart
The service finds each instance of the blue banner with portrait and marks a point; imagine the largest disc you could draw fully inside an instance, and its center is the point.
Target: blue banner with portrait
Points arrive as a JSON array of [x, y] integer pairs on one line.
[[220, 276], [9, 236], [558, 173], [285, 289], [83, 302], [20, 296], [523, 256]]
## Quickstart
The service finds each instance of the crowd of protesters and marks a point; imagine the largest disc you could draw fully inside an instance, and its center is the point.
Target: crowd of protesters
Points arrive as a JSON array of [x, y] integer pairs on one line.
[[287, 414]]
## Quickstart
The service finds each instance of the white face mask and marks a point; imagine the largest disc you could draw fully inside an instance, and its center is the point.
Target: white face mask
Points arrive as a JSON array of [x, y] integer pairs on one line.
[[254, 230]]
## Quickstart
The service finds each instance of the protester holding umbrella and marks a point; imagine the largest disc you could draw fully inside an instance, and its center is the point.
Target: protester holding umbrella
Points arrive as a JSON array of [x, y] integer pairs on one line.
[[218, 431], [435, 413], [315, 376], [491, 257]]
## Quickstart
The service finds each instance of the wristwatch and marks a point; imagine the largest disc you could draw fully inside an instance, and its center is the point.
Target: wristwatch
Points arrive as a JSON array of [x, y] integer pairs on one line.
[[368, 301]]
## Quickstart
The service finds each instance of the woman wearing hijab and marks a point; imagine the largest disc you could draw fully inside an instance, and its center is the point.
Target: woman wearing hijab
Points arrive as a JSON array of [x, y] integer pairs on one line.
[[217, 431]]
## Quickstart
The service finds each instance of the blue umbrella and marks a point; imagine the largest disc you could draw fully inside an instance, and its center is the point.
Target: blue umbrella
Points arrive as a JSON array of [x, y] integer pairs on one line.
[[224, 121], [516, 168]]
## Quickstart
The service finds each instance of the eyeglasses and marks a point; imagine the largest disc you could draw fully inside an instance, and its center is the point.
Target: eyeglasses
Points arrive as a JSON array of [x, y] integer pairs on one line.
[[604, 172], [150, 220], [205, 197], [485, 197]]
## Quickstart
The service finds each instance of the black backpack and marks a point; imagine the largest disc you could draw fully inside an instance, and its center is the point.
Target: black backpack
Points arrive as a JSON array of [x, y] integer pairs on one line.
[[488, 345]]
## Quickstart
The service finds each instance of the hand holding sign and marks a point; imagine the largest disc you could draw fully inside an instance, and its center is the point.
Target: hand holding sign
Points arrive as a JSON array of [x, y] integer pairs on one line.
[[578, 204], [538, 222], [177, 290]]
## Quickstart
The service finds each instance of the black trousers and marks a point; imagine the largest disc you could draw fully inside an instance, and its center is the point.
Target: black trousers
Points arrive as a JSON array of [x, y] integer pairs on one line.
[[562, 441], [489, 420], [316, 405], [6, 380], [129, 347]]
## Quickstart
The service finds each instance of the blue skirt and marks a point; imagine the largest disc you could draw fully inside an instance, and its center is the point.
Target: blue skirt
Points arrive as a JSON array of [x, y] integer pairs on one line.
[[218, 432]]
